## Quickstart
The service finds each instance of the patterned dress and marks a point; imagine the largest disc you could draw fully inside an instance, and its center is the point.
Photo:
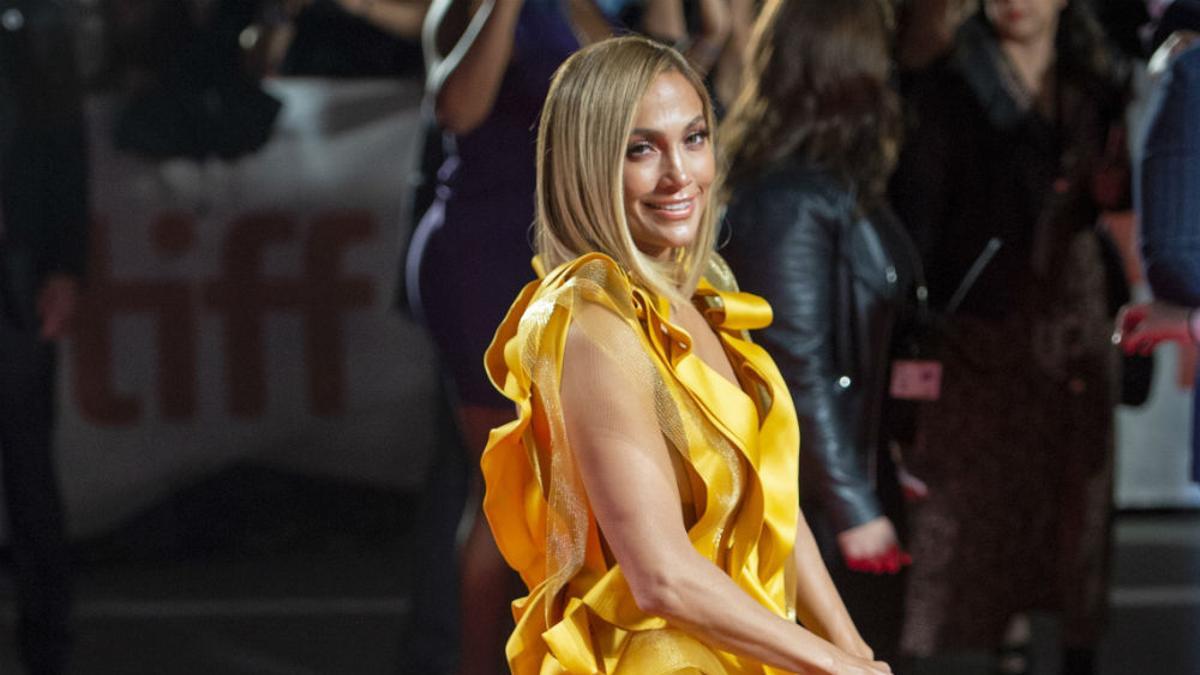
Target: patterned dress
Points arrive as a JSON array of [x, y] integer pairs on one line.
[[1018, 451]]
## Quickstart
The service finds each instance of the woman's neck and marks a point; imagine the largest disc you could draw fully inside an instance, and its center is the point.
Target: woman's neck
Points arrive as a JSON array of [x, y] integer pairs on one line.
[[1032, 61]]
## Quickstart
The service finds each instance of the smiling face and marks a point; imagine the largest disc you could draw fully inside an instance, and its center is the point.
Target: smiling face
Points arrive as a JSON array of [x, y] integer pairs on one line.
[[668, 167], [1024, 20]]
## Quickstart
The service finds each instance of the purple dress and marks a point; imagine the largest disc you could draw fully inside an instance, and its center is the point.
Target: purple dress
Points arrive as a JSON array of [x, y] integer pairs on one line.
[[471, 252]]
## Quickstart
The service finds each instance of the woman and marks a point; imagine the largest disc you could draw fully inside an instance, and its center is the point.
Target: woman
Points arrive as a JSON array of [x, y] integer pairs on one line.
[[1012, 158], [646, 492], [814, 134]]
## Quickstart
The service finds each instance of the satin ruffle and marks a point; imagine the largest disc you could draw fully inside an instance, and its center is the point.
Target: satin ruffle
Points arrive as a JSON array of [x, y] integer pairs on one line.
[[738, 446]]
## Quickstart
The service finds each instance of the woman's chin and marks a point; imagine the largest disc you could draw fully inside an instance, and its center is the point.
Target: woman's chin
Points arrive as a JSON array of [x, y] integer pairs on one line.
[[668, 236]]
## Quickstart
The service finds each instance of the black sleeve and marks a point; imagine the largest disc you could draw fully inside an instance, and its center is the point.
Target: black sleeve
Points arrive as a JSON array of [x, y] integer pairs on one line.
[[784, 247]]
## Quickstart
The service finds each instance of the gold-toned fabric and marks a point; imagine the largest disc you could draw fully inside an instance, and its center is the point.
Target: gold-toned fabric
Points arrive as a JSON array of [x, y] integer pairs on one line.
[[734, 451]]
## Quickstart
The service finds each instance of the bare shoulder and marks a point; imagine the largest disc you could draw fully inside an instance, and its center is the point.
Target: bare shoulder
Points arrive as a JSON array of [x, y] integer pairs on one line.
[[608, 379]]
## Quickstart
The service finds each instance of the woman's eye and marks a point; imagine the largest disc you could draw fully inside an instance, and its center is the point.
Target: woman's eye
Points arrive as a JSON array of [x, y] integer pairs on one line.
[[697, 137], [638, 149]]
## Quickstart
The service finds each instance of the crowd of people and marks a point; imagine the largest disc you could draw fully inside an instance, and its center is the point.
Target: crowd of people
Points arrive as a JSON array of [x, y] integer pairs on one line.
[[803, 307]]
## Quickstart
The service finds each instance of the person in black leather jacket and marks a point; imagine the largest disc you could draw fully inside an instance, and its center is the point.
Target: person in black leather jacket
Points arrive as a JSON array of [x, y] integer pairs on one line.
[[812, 141]]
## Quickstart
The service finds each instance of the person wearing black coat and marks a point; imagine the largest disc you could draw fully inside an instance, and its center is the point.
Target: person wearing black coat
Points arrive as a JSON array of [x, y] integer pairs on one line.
[[811, 142], [43, 220], [1015, 152]]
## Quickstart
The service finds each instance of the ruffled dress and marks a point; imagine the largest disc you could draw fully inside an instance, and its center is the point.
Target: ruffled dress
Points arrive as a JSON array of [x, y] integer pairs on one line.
[[734, 449]]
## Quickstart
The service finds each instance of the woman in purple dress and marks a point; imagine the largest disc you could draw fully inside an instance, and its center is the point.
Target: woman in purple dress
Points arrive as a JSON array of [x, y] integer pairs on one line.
[[490, 64]]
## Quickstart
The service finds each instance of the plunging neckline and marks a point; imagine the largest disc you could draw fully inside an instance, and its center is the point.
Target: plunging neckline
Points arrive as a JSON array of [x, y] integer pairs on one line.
[[711, 373], [674, 319]]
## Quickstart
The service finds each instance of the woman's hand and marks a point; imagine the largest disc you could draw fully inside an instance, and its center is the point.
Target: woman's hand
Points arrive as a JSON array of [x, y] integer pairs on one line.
[[845, 663], [56, 304], [1143, 326], [852, 644], [873, 547]]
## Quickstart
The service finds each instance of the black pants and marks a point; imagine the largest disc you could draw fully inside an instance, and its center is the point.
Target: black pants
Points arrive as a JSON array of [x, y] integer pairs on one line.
[[36, 537]]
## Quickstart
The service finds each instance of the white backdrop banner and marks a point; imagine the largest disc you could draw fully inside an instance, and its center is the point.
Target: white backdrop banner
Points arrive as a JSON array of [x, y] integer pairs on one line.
[[243, 310]]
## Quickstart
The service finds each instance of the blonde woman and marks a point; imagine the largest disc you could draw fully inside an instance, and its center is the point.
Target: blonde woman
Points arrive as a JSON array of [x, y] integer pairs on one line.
[[646, 491]]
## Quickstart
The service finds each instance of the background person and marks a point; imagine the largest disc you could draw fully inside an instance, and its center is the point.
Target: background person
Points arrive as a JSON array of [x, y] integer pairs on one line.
[[814, 136], [43, 238], [489, 65], [1015, 140], [1168, 195]]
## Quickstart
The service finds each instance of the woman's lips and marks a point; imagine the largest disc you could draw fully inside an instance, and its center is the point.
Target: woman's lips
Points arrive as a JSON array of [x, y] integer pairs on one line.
[[675, 209]]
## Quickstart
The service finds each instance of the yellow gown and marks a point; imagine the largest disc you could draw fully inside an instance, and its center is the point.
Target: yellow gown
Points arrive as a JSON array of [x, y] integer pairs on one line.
[[735, 453]]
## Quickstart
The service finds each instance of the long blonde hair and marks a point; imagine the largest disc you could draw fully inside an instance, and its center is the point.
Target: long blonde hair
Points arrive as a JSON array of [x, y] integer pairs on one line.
[[582, 137]]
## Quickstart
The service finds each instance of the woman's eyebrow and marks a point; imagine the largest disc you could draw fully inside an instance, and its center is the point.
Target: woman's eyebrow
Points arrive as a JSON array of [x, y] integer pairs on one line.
[[698, 119]]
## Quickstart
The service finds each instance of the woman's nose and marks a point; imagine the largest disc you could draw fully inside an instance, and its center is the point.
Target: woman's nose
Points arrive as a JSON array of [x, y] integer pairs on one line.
[[676, 172]]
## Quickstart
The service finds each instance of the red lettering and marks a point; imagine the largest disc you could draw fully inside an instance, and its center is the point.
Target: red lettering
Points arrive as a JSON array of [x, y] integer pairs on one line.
[[243, 296], [169, 302]]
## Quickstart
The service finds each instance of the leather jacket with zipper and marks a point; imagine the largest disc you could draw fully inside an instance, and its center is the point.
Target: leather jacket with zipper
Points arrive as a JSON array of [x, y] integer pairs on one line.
[[837, 279]]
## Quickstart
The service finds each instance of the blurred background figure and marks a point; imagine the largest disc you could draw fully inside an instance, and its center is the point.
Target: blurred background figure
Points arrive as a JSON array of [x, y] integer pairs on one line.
[[699, 29], [1015, 152], [812, 140], [489, 67], [926, 30], [1168, 193], [43, 237], [726, 76], [190, 91], [350, 38]]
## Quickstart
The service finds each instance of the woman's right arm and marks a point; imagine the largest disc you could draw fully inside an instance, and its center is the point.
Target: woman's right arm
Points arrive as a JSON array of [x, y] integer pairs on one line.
[[626, 470], [468, 45]]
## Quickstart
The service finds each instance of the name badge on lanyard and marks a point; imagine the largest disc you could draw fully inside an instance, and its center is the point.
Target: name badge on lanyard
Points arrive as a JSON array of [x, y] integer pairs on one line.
[[916, 380]]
